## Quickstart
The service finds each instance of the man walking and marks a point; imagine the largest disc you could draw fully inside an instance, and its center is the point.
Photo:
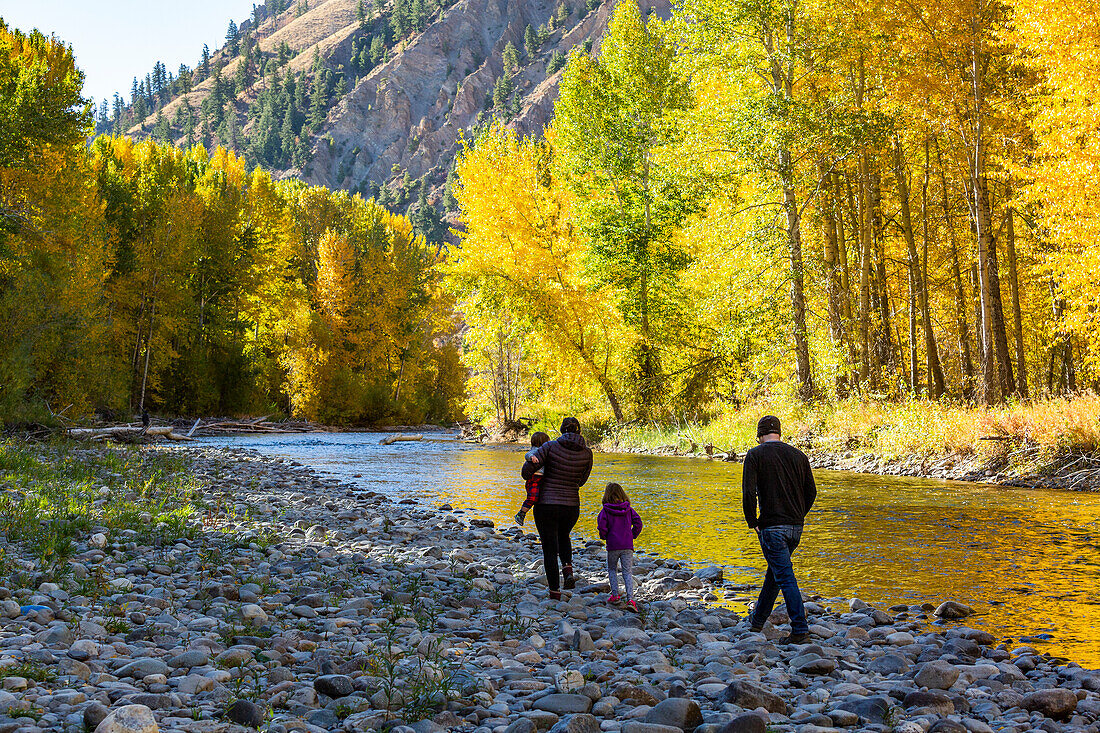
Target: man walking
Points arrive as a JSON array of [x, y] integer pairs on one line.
[[779, 475]]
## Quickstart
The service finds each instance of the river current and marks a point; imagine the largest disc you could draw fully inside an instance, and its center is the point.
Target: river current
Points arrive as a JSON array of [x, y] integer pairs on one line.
[[1028, 561]]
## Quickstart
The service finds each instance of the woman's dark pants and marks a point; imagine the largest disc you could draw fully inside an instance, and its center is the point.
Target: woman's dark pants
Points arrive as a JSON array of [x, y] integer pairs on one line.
[[554, 522]]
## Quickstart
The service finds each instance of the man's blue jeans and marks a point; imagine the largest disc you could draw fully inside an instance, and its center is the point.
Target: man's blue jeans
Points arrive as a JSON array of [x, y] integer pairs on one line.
[[778, 543]]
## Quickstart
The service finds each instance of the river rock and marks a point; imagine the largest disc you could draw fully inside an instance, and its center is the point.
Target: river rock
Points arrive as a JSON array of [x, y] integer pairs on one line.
[[143, 667], [334, 685], [129, 719], [1056, 703], [953, 610], [937, 675], [246, 712], [751, 696], [634, 726], [747, 723], [578, 723], [190, 658], [934, 700], [678, 712], [889, 664], [870, 709], [563, 704], [946, 725], [94, 714]]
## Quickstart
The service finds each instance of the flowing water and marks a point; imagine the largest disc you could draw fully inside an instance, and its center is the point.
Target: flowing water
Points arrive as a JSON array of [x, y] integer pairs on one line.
[[1027, 561]]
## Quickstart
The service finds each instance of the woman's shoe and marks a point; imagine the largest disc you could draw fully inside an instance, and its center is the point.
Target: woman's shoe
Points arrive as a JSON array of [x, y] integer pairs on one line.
[[555, 595], [614, 599], [569, 581], [633, 606]]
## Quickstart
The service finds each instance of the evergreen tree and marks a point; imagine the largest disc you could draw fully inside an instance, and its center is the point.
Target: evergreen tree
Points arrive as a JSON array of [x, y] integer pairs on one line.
[[204, 66], [287, 136], [232, 39], [426, 219], [361, 13], [377, 49], [161, 129], [530, 40], [511, 58], [502, 89]]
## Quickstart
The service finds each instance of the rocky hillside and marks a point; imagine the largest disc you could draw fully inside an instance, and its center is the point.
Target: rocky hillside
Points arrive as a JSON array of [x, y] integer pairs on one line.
[[369, 98]]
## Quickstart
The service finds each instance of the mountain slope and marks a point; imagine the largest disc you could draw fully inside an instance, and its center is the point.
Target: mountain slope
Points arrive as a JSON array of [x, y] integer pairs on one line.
[[371, 100]]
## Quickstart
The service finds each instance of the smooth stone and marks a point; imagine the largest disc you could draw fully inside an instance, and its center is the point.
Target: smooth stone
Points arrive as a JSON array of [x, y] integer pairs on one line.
[[945, 725], [129, 719], [871, 709], [751, 696], [522, 725], [889, 664], [953, 610], [334, 685], [246, 712], [747, 723], [937, 675], [143, 667], [1056, 703], [817, 667], [94, 714], [579, 723], [935, 700], [188, 659], [253, 614], [634, 726], [678, 712], [563, 703]]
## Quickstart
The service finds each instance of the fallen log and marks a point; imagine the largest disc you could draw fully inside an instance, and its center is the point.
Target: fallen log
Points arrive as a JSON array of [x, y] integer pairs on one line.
[[400, 438], [125, 433]]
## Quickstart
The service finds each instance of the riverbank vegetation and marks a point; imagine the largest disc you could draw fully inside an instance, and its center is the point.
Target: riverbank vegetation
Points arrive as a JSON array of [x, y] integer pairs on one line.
[[878, 217], [140, 275]]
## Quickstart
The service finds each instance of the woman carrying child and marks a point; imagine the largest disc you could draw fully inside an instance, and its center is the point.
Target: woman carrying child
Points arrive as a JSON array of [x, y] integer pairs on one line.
[[566, 464], [619, 525]]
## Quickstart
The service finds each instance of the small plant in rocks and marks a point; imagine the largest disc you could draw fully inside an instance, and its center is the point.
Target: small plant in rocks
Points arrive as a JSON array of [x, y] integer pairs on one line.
[[29, 671]]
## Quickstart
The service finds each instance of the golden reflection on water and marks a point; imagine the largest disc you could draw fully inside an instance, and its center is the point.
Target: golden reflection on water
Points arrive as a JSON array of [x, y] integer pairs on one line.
[[1028, 561]]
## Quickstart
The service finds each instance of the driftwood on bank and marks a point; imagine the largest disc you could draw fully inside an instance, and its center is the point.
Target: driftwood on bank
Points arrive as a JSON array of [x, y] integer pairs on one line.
[[126, 434], [214, 427]]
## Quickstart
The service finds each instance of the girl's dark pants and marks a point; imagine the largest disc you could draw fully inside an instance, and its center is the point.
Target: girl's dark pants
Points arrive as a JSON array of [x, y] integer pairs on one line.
[[554, 522]]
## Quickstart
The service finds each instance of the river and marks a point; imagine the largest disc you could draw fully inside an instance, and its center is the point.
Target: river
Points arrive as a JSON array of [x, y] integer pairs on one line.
[[1028, 561]]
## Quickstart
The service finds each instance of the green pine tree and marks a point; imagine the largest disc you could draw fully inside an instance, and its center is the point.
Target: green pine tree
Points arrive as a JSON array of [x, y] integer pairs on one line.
[[530, 40]]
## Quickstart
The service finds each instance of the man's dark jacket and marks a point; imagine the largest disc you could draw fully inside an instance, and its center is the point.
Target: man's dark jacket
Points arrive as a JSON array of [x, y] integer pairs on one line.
[[779, 476], [566, 463]]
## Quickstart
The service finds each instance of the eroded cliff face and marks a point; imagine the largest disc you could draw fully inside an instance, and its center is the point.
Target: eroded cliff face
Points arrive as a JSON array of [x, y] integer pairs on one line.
[[409, 115], [406, 118]]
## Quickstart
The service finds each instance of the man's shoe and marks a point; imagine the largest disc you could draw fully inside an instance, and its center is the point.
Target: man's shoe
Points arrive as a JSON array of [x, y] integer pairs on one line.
[[795, 639], [569, 582], [555, 595], [753, 626], [520, 516]]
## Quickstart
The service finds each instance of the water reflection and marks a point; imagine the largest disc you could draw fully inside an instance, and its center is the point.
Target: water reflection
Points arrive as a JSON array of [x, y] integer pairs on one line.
[[1029, 561]]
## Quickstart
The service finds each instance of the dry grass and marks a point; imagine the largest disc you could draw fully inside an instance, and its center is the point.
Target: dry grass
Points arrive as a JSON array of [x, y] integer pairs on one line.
[[893, 429]]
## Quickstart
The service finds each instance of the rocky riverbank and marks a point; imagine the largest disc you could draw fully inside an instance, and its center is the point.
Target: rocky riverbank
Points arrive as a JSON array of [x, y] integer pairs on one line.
[[288, 602]]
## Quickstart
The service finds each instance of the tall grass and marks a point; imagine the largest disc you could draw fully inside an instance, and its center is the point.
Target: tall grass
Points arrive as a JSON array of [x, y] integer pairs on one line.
[[888, 429], [52, 494]]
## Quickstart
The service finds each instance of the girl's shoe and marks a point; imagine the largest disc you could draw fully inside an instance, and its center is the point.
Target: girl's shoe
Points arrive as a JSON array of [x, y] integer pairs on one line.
[[614, 599], [633, 606], [555, 595], [569, 582]]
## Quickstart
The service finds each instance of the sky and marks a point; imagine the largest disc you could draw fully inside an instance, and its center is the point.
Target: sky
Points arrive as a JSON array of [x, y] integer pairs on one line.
[[116, 40]]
